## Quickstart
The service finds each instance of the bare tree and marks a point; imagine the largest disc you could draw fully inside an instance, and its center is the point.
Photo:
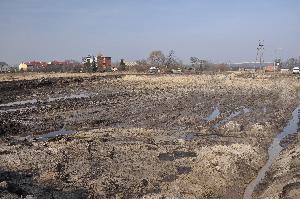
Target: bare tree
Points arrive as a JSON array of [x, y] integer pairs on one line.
[[171, 61], [194, 61], [198, 63], [222, 67], [142, 62], [157, 58], [291, 62], [141, 66]]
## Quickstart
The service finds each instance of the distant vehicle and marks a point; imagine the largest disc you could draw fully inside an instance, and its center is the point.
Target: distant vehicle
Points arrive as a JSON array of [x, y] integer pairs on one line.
[[153, 70], [176, 71], [296, 70], [284, 70], [114, 69]]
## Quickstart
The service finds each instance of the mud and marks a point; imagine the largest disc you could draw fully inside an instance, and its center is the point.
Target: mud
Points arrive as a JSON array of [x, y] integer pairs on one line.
[[140, 136], [274, 150], [282, 180]]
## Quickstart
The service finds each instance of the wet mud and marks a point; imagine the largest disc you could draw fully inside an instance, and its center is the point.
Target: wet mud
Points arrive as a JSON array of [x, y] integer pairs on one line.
[[141, 136]]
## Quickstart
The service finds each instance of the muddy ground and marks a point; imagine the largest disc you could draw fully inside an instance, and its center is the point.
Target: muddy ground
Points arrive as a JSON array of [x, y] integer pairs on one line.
[[145, 136], [283, 179]]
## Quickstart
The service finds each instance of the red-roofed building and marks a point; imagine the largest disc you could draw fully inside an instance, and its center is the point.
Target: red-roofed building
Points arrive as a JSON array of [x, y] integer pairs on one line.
[[36, 65]]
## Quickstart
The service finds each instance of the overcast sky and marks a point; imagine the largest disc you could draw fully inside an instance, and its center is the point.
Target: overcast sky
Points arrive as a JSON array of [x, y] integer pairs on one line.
[[217, 30]]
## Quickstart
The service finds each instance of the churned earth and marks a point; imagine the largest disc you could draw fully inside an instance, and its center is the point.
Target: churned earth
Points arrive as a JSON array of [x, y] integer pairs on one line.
[[143, 136], [283, 178]]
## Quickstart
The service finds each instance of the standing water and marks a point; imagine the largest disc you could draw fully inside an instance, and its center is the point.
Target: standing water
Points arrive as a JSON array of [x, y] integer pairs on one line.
[[46, 137], [274, 151], [213, 115], [231, 116]]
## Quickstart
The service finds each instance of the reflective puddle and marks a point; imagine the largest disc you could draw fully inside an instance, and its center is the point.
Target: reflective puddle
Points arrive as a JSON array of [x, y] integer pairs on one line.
[[18, 109], [54, 134], [83, 95], [216, 112], [17, 103], [35, 101], [231, 116]]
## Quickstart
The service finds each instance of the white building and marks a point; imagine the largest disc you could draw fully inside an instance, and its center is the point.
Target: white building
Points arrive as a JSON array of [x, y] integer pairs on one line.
[[4, 67], [130, 63], [89, 59]]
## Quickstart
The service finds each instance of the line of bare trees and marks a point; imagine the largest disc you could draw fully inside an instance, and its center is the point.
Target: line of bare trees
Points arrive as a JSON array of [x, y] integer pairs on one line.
[[165, 62], [291, 62], [168, 62]]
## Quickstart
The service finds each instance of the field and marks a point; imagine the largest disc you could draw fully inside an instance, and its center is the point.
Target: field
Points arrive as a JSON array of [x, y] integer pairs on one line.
[[146, 136]]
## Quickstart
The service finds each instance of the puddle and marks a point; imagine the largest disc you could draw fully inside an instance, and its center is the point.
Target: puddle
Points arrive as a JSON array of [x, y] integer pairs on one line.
[[19, 103], [231, 116], [34, 101], [54, 134], [246, 110], [216, 112], [83, 95], [274, 151], [18, 109]]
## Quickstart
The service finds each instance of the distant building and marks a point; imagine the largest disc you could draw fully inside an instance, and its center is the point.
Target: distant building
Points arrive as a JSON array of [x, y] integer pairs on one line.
[[275, 66], [271, 68], [36, 65], [251, 70], [103, 61], [130, 63], [3, 64], [249, 65], [23, 67], [89, 59], [52, 66], [4, 67]]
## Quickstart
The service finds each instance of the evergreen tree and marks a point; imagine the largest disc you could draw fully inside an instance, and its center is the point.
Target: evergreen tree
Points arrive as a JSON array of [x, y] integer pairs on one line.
[[94, 66]]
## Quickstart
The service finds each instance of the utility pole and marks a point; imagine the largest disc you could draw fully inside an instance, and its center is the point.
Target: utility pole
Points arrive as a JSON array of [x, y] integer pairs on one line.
[[278, 58], [260, 53]]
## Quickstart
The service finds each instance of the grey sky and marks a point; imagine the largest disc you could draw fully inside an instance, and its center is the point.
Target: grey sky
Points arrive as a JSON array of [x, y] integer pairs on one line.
[[216, 30]]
